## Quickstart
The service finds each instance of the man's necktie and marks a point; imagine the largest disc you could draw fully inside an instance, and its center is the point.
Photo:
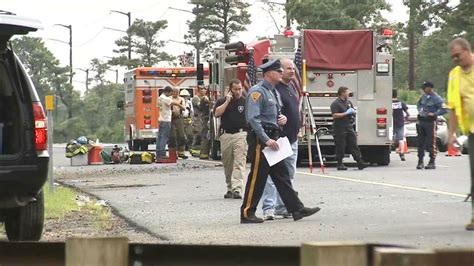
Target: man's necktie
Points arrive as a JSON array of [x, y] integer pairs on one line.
[[277, 102]]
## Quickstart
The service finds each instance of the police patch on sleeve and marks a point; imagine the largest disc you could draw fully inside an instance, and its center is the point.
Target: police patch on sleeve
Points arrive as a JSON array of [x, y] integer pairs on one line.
[[255, 96]]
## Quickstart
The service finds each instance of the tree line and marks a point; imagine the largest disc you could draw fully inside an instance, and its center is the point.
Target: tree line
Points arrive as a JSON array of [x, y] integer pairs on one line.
[[422, 41]]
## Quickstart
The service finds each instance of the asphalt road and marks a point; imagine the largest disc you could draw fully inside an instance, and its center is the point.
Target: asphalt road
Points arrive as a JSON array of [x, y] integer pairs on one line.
[[396, 204]]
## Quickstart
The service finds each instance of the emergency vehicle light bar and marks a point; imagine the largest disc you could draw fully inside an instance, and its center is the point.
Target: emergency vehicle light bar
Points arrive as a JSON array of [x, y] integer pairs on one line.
[[327, 94]]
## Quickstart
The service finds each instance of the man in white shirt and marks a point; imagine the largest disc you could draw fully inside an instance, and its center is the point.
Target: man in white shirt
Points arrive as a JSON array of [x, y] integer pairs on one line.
[[164, 105]]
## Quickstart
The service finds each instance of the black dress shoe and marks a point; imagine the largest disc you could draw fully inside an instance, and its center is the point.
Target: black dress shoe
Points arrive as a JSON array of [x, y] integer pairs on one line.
[[251, 220], [228, 195], [305, 212], [431, 165], [341, 167], [362, 165], [236, 195]]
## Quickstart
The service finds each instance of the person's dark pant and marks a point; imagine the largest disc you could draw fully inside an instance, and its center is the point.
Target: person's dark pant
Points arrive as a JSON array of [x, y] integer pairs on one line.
[[205, 137], [426, 139], [258, 177], [471, 162], [346, 138]]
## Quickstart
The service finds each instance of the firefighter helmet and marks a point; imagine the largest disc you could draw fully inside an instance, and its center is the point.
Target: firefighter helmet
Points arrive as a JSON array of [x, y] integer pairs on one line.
[[184, 93]]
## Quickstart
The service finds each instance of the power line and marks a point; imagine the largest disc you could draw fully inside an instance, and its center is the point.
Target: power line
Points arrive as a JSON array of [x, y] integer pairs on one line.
[[91, 39]]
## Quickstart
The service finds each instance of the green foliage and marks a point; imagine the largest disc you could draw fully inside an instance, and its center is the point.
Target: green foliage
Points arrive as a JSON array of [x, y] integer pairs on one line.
[[336, 14], [70, 129], [43, 67], [217, 21], [461, 19], [409, 96], [145, 43], [59, 203]]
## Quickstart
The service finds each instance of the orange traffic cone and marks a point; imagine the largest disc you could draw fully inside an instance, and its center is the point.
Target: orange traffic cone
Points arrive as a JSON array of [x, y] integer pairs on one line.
[[94, 155], [453, 151]]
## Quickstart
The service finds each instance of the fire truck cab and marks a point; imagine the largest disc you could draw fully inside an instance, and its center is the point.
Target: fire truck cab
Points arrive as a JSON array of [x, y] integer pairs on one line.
[[143, 86]]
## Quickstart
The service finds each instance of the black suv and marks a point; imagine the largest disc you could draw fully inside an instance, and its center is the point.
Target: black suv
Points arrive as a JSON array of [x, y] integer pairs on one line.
[[24, 156]]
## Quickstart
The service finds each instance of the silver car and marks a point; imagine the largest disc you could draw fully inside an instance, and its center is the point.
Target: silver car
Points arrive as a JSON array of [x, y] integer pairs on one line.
[[411, 134]]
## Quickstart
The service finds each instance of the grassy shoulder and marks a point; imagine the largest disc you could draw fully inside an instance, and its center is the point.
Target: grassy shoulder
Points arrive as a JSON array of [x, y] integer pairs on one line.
[[65, 203], [60, 202]]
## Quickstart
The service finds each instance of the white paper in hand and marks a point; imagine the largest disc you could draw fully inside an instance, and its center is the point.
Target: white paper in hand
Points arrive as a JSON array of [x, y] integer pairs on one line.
[[273, 157]]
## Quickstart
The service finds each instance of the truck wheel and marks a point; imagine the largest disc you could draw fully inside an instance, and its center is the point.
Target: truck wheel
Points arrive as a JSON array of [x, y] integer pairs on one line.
[[441, 147], [136, 145], [26, 223], [143, 145], [383, 157]]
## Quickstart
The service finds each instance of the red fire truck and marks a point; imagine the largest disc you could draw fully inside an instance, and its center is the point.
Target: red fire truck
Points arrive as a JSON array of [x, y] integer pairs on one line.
[[143, 86]]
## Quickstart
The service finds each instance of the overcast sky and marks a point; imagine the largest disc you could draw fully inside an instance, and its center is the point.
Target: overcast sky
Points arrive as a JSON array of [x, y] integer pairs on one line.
[[89, 17]]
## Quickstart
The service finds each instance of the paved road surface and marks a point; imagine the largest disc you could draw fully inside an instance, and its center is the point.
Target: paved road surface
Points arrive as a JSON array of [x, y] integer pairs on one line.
[[396, 204]]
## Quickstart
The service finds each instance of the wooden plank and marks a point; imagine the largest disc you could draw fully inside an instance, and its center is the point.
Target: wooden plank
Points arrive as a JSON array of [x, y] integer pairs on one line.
[[458, 257], [334, 254], [97, 251], [404, 257]]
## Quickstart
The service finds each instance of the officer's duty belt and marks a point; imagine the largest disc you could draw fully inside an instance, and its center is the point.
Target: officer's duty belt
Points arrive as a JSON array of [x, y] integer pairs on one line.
[[233, 130]]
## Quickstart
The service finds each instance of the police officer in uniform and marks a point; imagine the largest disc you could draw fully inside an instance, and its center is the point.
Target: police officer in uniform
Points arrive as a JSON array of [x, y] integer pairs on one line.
[[264, 118], [345, 136], [430, 106]]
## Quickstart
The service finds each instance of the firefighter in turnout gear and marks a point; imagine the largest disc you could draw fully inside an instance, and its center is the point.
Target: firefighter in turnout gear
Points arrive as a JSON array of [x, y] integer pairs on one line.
[[264, 118], [177, 135], [187, 119], [430, 106], [197, 121]]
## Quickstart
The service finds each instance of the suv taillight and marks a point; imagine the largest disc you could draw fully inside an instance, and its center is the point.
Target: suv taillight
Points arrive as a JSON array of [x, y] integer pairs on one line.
[[41, 130]]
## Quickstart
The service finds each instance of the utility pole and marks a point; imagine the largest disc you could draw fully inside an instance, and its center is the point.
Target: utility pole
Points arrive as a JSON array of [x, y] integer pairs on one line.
[[70, 50], [411, 45], [87, 78], [129, 15]]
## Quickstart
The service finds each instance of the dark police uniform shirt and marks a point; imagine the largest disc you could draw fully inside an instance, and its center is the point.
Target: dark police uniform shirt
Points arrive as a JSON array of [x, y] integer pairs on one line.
[[261, 109], [398, 109], [289, 102], [340, 106], [234, 115], [430, 103]]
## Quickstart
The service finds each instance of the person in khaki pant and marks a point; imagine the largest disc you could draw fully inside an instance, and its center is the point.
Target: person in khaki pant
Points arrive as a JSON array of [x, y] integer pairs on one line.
[[233, 138], [177, 135]]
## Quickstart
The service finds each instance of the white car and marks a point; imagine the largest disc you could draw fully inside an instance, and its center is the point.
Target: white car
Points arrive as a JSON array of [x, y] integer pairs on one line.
[[411, 134]]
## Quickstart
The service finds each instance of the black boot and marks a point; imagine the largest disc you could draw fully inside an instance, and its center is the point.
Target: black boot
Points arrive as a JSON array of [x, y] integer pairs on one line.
[[402, 157], [252, 219], [420, 164], [431, 165], [341, 166]]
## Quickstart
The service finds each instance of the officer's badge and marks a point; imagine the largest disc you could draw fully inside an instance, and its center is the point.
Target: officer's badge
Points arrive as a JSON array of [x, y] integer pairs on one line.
[[255, 96], [240, 108]]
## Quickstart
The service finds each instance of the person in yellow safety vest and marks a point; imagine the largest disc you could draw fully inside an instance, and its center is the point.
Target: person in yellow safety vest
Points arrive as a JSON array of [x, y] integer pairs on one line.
[[461, 103]]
